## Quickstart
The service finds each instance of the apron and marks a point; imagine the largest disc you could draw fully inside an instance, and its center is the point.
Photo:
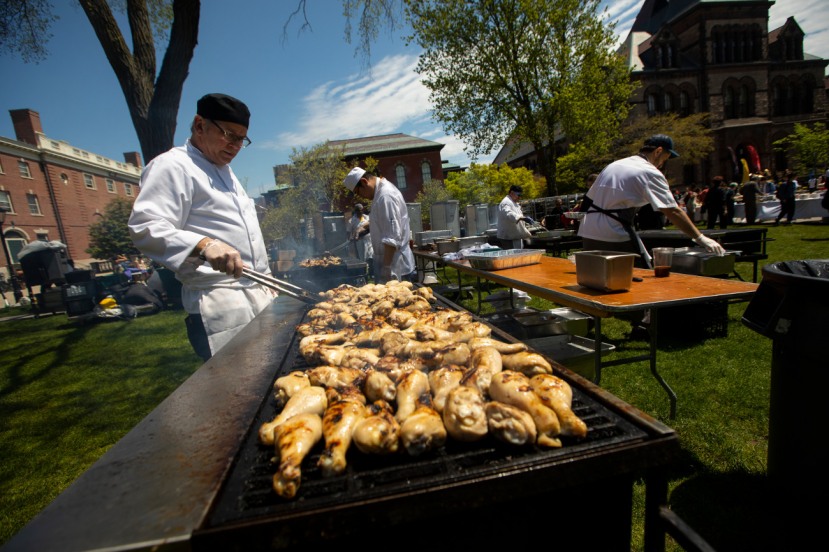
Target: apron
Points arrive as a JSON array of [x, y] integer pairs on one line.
[[226, 311], [625, 218]]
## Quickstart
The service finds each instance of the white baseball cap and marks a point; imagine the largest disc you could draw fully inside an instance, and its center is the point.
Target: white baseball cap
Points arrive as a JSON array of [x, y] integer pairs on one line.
[[353, 177]]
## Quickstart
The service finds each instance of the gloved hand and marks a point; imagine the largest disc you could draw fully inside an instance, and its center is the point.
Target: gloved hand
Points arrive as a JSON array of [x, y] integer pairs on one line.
[[220, 256], [710, 245]]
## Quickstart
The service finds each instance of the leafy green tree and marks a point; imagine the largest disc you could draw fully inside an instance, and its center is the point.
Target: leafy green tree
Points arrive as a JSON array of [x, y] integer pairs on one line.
[[316, 176], [490, 183], [533, 70], [691, 135], [807, 148], [109, 236]]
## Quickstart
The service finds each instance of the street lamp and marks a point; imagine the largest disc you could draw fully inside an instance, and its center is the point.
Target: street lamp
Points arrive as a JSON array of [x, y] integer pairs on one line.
[[18, 294]]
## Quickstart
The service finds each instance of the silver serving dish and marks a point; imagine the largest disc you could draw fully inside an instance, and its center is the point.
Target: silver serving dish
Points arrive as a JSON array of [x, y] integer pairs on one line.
[[696, 260], [605, 270]]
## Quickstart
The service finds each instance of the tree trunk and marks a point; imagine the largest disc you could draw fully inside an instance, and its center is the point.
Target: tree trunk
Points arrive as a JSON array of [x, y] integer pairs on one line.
[[153, 105]]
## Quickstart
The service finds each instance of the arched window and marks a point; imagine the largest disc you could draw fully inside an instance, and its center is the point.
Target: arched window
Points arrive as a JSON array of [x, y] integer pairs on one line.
[[743, 102], [728, 103], [684, 103], [400, 174], [651, 104], [426, 171]]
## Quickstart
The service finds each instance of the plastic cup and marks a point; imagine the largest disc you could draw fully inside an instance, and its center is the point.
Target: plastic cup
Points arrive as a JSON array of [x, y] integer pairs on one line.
[[662, 259]]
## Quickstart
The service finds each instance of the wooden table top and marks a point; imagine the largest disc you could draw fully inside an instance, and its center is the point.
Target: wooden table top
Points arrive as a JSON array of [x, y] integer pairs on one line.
[[554, 279]]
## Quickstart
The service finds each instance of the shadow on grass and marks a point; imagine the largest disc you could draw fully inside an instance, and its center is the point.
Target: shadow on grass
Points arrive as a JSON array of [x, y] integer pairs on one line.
[[732, 511]]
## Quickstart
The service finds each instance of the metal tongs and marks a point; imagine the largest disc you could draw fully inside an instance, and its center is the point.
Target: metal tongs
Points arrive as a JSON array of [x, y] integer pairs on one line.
[[283, 287]]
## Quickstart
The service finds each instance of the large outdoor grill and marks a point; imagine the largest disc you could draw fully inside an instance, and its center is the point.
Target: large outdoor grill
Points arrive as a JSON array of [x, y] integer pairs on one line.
[[322, 278], [192, 475]]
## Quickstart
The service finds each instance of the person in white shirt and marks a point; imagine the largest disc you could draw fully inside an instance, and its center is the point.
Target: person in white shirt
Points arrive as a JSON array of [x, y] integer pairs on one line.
[[510, 229], [390, 232], [193, 216], [357, 228], [623, 187]]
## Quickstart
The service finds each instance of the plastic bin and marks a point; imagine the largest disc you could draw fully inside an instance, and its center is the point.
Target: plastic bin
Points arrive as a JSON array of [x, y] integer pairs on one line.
[[791, 306]]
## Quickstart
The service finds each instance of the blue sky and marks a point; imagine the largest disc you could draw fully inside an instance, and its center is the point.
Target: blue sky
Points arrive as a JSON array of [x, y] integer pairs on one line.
[[302, 88]]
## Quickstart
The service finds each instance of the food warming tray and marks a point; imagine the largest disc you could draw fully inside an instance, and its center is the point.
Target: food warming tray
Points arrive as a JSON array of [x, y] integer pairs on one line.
[[505, 258], [696, 260], [605, 270]]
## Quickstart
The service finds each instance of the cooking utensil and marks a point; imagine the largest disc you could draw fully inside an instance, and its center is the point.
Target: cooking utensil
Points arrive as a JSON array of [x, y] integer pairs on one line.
[[342, 245], [283, 287]]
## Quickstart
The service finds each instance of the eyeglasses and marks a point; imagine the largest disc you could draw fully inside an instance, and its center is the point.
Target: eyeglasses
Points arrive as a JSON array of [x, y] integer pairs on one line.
[[231, 138]]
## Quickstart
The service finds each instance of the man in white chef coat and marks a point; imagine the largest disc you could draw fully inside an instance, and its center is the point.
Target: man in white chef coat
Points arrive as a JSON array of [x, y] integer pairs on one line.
[[390, 233], [193, 216]]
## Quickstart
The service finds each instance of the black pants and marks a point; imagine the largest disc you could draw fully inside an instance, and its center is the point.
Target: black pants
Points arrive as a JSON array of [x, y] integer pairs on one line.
[[198, 336], [786, 210]]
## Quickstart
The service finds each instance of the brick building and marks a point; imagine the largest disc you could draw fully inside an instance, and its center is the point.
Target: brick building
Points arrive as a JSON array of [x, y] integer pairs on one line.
[[406, 161], [718, 56], [53, 190]]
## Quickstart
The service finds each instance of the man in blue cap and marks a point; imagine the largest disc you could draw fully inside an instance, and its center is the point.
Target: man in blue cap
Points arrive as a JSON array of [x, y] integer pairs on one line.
[[621, 189]]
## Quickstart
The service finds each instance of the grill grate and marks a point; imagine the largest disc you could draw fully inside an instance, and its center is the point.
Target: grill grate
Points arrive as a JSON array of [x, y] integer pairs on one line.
[[247, 493]]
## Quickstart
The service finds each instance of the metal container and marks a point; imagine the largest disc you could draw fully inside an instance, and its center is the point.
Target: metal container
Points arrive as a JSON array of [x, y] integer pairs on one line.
[[605, 270], [430, 236], [553, 322], [554, 234], [448, 246], [505, 258], [692, 260], [575, 352]]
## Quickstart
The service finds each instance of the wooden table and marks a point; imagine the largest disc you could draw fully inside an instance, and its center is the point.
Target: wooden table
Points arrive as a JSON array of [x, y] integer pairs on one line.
[[554, 279]]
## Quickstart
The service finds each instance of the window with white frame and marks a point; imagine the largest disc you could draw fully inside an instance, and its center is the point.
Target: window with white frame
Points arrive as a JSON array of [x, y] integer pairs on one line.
[[6, 201], [34, 204], [110, 185], [23, 167], [128, 189], [1, 167], [426, 171], [89, 181], [400, 176]]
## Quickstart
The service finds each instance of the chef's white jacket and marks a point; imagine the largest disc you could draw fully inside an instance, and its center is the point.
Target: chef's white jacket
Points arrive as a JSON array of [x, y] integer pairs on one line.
[[184, 198], [390, 225]]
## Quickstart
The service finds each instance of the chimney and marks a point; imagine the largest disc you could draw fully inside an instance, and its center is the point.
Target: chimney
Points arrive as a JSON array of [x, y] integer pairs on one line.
[[133, 158], [26, 125]]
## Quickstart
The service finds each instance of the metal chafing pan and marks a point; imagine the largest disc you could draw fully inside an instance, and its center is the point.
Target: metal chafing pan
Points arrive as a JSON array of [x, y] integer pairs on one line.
[[698, 261]]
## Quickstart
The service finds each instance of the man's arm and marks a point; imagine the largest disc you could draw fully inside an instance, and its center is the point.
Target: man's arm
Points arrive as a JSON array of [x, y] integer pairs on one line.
[[680, 219]]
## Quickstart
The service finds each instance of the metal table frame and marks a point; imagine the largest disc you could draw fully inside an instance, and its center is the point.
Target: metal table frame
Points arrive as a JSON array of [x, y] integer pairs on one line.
[[554, 279]]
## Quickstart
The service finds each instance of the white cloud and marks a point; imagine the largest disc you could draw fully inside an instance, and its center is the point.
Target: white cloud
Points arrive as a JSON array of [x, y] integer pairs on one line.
[[362, 106]]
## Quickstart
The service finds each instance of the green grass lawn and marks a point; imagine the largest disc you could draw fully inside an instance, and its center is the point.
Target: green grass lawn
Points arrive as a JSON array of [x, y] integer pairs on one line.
[[68, 392]]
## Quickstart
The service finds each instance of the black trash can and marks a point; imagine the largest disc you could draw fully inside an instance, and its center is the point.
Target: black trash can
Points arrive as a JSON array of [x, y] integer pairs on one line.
[[791, 306]]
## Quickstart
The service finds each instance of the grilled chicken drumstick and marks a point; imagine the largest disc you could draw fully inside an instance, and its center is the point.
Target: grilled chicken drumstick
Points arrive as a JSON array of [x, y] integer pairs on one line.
[[379, 432], [307, 400], [345, 408], [294, 439], [514, 388], [423, 429], [556, 393]]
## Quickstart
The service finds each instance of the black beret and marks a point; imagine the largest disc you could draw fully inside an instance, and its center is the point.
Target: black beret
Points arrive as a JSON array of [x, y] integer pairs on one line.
[[220, 107]]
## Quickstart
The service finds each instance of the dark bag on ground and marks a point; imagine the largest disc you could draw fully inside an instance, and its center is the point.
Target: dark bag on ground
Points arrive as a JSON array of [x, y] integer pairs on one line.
[[140, 295]]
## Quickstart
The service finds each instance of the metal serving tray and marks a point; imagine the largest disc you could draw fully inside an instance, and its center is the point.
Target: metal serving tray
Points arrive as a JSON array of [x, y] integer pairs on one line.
[[692, 260], [505, 258]]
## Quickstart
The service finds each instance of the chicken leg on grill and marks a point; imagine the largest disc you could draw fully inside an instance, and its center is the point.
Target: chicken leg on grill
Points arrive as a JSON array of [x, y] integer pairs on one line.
[[294, 439], [510, 424], [423, 429], [409, 389], [345, 409], [556, 393], [464, 415], [309, 399], [514, 388], [286, 386], [378, 432]]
